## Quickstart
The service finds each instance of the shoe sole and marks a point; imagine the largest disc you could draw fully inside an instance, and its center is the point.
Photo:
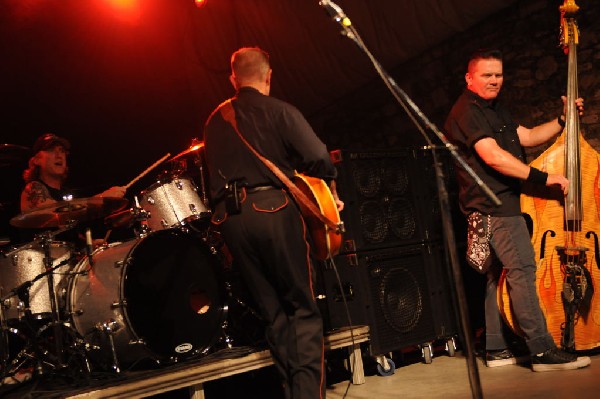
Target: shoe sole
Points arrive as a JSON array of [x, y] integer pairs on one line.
[[581, 362], [507, 362]]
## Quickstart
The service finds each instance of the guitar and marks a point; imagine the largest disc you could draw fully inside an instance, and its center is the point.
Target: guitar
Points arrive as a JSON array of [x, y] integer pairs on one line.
[[327, 237]]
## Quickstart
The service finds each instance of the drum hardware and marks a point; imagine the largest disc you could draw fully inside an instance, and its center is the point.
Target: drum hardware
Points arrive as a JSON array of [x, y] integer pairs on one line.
[[140, 217], [30, 345], [109, 328], [195, 150], [116, 305], [10, 366], [244, 325]]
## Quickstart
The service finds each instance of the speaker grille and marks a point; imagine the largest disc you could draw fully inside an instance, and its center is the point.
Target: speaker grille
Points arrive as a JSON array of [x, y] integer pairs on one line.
[[401, 299], [411, 299]]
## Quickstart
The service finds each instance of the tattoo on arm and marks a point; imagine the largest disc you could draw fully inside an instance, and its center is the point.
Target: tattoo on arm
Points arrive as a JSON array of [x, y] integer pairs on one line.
[[37, 194]]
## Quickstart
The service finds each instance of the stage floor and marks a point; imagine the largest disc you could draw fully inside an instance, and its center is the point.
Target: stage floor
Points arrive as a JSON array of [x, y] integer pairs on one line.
[[445, 378]]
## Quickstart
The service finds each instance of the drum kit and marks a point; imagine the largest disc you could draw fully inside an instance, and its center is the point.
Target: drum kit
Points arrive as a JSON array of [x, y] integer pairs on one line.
[[162, 296]]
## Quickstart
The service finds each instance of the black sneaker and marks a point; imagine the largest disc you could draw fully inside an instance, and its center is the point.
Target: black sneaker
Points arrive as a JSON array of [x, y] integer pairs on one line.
[[556, 359], [503, 357]]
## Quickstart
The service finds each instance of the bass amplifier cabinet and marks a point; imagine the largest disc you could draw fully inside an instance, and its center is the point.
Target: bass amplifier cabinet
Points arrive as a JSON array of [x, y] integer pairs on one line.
[[390, 198], [402, 293]]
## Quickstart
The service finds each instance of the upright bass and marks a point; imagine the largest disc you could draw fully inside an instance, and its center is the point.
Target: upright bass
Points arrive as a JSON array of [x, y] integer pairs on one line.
[[565, 228]]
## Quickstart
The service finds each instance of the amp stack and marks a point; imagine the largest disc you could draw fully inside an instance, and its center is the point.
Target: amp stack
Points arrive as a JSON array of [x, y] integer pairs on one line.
[[392, 267]]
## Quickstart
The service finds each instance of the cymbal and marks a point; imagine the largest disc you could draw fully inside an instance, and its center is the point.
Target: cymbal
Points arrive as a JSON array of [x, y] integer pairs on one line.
[[66, 212], [195, 147], [11, 153]]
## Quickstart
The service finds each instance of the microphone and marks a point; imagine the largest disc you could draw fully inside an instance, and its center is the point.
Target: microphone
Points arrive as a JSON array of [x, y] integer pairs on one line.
[[89, 246], [335, 12]]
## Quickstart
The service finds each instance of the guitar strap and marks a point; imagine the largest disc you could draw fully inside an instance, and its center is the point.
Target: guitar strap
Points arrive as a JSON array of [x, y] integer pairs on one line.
[[228, 113]]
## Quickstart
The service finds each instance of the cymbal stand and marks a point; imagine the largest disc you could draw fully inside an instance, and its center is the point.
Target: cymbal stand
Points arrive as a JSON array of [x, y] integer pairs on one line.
[[199, 164], [4, 344], [9, 367], [46, 241]]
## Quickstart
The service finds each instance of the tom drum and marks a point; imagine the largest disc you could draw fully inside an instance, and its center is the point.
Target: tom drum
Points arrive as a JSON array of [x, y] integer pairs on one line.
[[173, 203]]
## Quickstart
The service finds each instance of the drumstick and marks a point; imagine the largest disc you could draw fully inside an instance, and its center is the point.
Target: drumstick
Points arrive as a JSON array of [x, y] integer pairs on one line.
[[106, 237], [154, 165]]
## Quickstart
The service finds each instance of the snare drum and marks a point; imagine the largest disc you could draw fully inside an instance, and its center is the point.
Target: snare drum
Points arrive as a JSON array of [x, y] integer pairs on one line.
[[160, 296], [173, 203], [25, 265]]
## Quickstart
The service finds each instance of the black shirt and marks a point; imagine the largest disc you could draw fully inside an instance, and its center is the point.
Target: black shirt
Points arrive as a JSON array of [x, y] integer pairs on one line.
[[276, 129], [55, 194], [471, 119]]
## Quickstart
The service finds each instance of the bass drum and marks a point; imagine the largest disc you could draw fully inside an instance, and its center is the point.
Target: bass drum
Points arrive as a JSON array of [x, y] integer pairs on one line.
[[159, 297]]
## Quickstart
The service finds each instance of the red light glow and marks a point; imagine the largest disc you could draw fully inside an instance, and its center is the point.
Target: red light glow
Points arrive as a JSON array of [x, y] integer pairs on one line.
[[126, 10], [123, 4]]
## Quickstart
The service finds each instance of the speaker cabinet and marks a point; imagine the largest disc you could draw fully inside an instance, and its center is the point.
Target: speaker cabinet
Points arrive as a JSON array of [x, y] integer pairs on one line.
[[390, 198], [402, 293], [411, 298], [351, 286]]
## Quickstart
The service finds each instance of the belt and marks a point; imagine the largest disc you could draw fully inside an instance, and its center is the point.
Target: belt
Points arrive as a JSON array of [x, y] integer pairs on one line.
[[255, 189]]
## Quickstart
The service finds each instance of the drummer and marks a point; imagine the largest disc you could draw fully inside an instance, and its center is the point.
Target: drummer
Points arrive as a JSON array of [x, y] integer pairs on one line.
[[45, 177], [48, 171]]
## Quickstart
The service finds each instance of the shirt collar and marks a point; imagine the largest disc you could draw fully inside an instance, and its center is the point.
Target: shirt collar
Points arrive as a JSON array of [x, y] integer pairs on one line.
[[248, 89], [477, 99]]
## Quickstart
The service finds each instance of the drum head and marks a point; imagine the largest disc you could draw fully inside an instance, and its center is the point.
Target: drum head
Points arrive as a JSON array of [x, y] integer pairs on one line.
[[174, 299]]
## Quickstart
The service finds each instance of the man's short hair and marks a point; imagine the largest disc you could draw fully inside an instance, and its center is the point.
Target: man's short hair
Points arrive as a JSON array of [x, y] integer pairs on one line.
[[249, 64], [483, 54]]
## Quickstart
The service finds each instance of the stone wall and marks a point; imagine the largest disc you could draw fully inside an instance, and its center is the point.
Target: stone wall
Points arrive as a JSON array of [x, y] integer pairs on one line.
[[535, 70]]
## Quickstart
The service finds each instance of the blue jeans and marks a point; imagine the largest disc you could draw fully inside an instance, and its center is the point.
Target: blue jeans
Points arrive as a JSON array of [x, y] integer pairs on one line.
[[511, 244]]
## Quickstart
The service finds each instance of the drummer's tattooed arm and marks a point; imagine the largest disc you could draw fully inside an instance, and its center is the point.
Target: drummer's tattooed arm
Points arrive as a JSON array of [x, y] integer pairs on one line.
[[35, 194]]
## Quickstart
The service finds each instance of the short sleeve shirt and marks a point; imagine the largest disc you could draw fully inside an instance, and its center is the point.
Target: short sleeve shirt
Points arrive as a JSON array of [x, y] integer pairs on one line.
[[471, 119]]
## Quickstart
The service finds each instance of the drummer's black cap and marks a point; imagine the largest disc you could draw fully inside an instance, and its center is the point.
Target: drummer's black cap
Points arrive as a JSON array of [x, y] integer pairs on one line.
[[47, 140]]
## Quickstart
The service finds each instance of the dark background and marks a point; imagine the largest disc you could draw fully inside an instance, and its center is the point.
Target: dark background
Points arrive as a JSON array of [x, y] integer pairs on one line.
[[127, 81]]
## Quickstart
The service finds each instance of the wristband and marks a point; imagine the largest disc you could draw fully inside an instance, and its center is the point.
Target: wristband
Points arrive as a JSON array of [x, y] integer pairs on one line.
[[560, 121], [536, 176]]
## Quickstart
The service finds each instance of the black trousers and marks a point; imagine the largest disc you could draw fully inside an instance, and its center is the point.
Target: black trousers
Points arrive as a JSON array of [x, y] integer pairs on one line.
[[267, 240]]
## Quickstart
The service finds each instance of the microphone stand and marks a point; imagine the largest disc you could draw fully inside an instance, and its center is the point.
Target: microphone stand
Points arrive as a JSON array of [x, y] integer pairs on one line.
[[423, 123]]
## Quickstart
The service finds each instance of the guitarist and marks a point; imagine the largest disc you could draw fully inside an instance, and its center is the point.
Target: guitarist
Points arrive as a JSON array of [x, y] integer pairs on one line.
[[261, 224]]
